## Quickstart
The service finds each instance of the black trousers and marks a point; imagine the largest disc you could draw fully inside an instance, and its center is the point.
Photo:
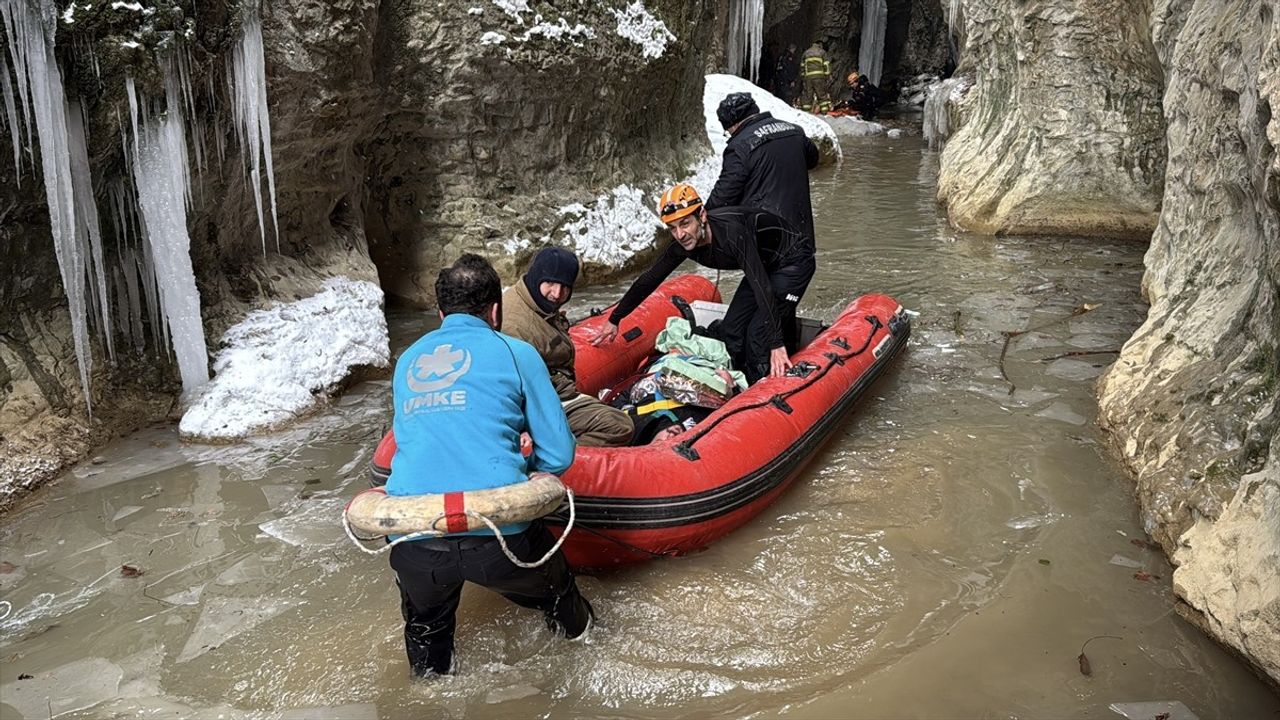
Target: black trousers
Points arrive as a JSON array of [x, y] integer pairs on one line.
[[430, 574], [743, 327]]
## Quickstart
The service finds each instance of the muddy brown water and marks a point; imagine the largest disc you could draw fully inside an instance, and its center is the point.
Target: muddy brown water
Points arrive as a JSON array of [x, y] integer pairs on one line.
[[946, 555]]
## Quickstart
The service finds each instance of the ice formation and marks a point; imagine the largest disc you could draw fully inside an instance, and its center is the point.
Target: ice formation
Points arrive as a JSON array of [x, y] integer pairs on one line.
[[875, 15], [247, 81], [746, 36], [937, 118]]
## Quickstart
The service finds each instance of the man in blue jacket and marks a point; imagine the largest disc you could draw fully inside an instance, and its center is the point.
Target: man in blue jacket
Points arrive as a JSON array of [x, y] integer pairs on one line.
[[463, 395]]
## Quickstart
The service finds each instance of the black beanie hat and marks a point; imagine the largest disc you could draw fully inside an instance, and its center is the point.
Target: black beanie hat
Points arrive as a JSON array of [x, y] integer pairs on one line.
[[735, 108], [551, 264]]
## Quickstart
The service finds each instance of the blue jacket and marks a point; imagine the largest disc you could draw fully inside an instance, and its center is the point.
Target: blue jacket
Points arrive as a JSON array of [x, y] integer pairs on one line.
[[463, 394]]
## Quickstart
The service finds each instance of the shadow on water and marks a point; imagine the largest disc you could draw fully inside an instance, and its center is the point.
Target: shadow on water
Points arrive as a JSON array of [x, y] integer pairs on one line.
[[944, 556]]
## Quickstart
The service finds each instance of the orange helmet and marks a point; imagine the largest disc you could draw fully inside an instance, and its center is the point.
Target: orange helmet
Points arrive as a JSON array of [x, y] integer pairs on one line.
[[679, 200]]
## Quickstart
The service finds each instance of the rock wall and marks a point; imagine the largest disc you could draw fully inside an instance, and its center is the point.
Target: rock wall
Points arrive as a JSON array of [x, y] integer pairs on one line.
[[1122, 118], [481, 143], [405, 132], [1062, 132], [1192, 403]]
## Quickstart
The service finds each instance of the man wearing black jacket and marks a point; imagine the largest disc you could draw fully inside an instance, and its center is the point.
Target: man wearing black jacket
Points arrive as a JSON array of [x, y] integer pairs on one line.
[[777, 262], [766, 164]]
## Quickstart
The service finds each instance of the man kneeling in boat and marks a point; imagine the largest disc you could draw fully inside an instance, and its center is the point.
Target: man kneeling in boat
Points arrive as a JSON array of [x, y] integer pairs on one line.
[[777, 261], [463, 395], [531, 311]]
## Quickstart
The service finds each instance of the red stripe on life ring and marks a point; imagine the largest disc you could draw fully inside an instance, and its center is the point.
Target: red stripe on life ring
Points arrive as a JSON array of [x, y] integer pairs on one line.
[[455, 517]]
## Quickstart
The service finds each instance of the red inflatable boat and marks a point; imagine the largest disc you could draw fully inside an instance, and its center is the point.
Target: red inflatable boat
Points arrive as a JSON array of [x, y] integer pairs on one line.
[[679, 495]]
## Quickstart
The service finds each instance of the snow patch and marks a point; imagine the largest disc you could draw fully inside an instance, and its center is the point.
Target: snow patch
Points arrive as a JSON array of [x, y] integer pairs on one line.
[[719, 86], [475, 11], [854, 127], [513, 8], [555, 30], [492, 38], [277, 362], [637, 25]]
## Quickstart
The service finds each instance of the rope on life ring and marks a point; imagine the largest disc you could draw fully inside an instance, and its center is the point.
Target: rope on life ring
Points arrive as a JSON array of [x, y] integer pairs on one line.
[[502, 541]]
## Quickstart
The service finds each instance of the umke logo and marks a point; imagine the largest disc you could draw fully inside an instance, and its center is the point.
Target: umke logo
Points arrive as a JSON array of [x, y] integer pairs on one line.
[[431, 374]]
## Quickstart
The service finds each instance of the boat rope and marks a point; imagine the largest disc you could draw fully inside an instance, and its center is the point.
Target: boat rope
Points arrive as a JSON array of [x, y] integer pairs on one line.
[[702, 429], [502, 541], [623, 543]]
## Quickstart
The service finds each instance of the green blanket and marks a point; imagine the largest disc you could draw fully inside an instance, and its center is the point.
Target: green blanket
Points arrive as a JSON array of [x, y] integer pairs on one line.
[[695, 357]]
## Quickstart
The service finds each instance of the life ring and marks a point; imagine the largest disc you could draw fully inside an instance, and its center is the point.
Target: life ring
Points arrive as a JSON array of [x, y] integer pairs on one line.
[[374, 513]]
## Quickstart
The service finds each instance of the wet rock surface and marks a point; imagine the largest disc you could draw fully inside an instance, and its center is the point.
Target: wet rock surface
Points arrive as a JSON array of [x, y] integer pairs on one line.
[[1191, 404], [1062, 133]]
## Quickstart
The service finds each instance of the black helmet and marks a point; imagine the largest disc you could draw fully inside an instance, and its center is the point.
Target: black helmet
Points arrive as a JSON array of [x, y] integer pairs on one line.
[[735, 108]]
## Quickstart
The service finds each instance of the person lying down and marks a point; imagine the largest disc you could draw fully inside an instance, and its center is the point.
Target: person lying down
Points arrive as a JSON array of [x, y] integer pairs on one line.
[[687, 383]]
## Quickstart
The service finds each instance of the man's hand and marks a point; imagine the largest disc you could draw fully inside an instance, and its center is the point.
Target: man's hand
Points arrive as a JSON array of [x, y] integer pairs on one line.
[[606, 334], [779, 363]]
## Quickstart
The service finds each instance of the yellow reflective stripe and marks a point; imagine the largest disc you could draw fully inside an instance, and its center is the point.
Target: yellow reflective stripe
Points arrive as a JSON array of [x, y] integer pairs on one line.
[[658, 405]]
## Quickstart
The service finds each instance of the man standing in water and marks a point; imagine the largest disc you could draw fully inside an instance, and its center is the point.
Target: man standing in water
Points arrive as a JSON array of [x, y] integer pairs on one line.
[[816, 70], [463, 395], [777, 261], [531, 312], [766, 164]]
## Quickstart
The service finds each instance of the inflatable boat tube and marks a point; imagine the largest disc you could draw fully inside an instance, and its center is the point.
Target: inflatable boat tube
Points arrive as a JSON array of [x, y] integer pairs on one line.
[[374, 513]]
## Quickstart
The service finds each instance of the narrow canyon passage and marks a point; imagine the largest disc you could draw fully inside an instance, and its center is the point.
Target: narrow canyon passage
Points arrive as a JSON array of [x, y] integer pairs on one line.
[[946, 555]]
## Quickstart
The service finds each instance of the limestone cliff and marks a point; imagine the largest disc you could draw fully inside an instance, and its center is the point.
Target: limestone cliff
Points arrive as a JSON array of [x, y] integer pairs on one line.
[[1191, 404], [1062, 131], [1098, 118]]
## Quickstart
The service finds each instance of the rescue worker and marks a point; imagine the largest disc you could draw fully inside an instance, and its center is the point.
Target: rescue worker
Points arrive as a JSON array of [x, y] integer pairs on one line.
[[816, 71], [785, 71], [777, 261], [531, 312], [463, 395], [862, 98], [766, 164]]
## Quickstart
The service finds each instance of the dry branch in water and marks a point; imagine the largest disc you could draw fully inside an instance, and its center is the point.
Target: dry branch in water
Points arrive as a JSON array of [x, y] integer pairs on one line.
[[1085, 668], [1009, 335]]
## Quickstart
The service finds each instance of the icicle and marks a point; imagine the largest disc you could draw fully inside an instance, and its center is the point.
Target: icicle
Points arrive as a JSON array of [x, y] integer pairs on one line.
[[937, 117], [163, 180], [121, 300], [875, 15], [11, 113], [132, 92], [197, 126], [131, 269], [31, 40], [16, 19], [746, 37], [88, 231], [247, 80], [953, 30], [219, 136]]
